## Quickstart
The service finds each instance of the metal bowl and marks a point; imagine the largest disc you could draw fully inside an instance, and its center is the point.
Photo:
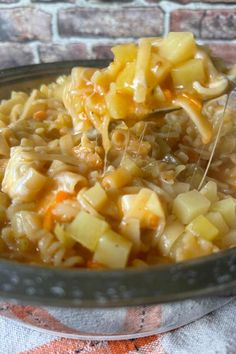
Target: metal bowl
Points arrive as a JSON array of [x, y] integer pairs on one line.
[[182, 289]]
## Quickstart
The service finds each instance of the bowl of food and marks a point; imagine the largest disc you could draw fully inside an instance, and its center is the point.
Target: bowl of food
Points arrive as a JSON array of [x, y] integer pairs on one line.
[[117, 202]]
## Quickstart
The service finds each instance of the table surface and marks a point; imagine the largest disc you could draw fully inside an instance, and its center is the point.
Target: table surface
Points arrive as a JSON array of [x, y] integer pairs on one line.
[[213, 334]]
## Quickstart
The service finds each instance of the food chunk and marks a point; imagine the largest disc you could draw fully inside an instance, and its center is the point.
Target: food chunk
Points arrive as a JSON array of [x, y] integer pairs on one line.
[[178, 47], [217, 219], [144, 206], [124, 53], [86, 229], [96, 196], [185, 74], [124, 82], [188, 246], [189, 205], [202, 227], [227, 209], [210, 191], [112, 250], [117, 104], [170, 234]]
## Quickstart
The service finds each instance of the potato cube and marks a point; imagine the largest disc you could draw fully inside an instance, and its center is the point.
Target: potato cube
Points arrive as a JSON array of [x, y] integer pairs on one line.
[[217, 219], [26, 223], [96, 196], [170, 234], [124, 53], [185, 74], [178, 47], [227, 209], [130, 228], [127, 202], [124, 82], [155, 206], [210, 191], [144, 206], [189, 205], [112, 250], [87, 229], [202, 227], [188, 246], [117, 104]]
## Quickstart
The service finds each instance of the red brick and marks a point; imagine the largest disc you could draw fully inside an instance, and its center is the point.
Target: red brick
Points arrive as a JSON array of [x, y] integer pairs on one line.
[[226, 51], [15, 55], [102, 51], [111, 22], [186, 20], [60, 52], [23, 23], [206, 24], [219, 24]]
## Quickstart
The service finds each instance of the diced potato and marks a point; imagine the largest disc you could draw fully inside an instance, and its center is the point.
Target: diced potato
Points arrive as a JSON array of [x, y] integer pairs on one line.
[[124, 82], [112, 250], [96, 196], [210, 191], [189, 205], [124, 53], [127, 202], [188, 246], [117, 104], [103, 78], [25, 223], [170, 234], [184, 75], [155, 206], [130, 228], [131, 167], [144, 206], [86, 229], [63, 236], [202, 227], [178, 47], [227, 209], [217, 219]]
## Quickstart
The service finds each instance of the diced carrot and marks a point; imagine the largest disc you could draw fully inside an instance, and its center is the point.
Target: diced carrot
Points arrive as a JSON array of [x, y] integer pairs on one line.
[[60, 196], [48, 216], [40, 115]]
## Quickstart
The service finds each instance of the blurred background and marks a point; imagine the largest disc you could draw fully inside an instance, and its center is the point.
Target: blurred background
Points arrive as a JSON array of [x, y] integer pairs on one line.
[[34, 31]]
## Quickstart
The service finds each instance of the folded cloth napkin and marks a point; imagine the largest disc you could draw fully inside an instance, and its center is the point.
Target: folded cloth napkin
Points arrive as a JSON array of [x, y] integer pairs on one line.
[[212, 334]]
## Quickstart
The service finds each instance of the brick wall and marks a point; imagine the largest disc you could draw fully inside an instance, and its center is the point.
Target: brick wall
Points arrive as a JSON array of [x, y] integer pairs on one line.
[[33, 31]]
